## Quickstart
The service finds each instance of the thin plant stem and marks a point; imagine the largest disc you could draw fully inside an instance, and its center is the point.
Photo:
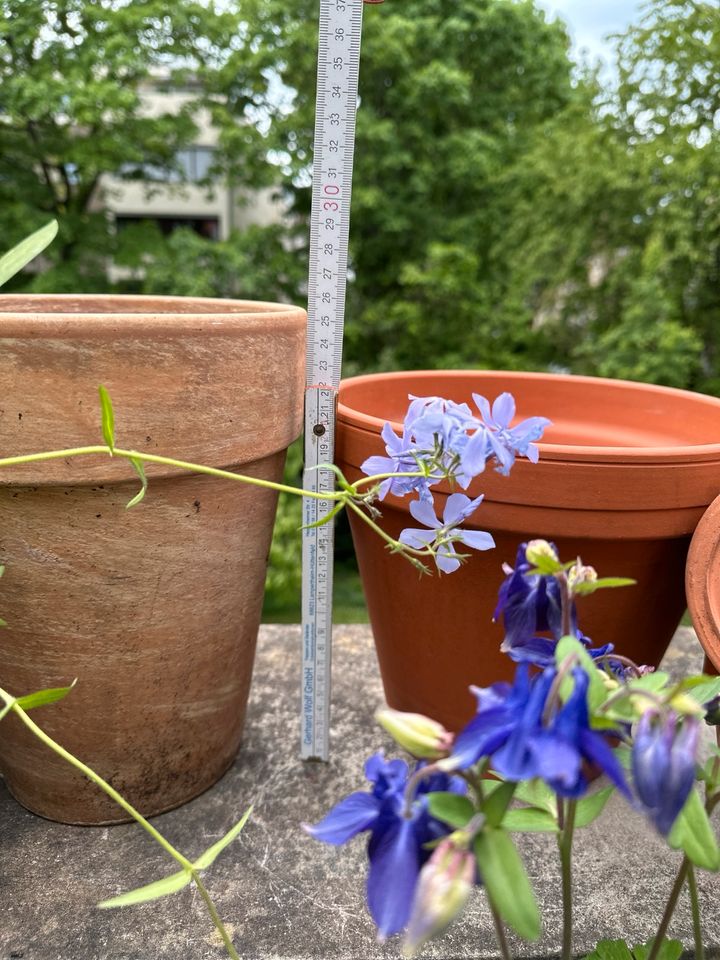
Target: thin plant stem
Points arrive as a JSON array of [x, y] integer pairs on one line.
[[167, 462], [695, 907], [212, 910], [386, 536], [669, 909], [566, 822], [566, 605], [500, 932], [111, 792]]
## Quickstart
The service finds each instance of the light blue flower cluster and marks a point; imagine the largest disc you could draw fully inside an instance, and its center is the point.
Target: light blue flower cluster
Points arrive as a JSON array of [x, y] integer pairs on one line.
[[445, 440]]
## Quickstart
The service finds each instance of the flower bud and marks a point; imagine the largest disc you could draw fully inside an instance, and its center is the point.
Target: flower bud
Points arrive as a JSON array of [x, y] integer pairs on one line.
[[663, 765], [422, 737], [443, 887], [579, 573], [539, 550]]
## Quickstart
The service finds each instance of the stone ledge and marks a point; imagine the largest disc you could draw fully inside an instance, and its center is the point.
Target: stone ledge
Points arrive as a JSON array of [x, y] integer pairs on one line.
[[284, 896]]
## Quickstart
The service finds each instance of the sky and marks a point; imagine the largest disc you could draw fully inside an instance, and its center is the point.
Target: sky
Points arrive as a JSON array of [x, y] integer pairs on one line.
[[591, 20]]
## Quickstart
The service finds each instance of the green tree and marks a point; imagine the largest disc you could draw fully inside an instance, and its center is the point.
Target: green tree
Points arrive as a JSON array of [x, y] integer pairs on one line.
[[72, 74], [617, 230], [451, 92]]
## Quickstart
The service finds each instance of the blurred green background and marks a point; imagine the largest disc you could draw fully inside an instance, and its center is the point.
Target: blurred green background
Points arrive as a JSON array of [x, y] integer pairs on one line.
[[515, 206]]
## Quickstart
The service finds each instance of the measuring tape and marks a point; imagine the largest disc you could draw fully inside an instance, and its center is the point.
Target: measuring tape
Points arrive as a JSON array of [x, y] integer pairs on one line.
[[336, 106]]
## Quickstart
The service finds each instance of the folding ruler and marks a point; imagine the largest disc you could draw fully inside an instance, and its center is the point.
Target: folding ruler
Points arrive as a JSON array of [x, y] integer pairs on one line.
[[336, 106]]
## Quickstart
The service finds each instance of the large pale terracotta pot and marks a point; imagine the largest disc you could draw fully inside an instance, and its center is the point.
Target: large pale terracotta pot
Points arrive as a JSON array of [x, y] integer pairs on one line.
[[154, 610], [625, 473]]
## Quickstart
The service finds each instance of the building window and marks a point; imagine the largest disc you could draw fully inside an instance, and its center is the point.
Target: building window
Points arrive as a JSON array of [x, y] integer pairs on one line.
[[193, 165], [207, 227]]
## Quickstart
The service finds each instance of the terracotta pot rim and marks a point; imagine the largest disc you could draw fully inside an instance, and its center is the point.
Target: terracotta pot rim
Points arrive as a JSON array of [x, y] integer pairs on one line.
[[69, 315], [701, 581], [557, 452]]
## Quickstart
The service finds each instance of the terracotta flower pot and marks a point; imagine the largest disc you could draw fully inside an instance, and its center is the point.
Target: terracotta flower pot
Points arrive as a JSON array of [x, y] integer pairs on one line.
[[155, 610], [625, 474], [702, 583]]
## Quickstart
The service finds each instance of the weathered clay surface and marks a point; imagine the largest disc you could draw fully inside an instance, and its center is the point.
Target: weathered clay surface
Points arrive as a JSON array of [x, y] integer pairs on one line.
[[154, 610], [286, 897]]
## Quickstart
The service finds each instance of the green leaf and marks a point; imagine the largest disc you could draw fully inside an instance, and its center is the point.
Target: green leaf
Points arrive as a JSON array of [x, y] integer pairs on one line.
[[651, 681], [590, 807], [108, 417], [152, 891], [207, 858], [14, 260], [496, 803], [451, 808], [597, 694], [547, 566], [140, 470], [506, 882], [43, 697], [325, 519], [706, 688], [693, 834], [536, 793], [611, 950], [602, 583], [669, 950], [3, 623], [619, 950], [529, 820]]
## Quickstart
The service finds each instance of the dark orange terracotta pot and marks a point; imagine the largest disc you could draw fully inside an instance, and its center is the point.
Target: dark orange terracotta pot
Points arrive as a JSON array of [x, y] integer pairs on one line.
[[625, 474], [155, 610]]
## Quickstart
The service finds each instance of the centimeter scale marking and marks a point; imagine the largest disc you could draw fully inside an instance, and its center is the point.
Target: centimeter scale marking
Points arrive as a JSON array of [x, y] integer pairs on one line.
[[336, 106]]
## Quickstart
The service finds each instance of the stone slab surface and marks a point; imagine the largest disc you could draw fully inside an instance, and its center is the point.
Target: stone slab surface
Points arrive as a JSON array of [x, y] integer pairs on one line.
[[283, 896]]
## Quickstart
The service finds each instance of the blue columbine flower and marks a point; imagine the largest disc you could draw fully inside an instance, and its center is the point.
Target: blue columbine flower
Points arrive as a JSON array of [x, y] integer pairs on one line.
[[571, 728], [532, 604], [663, 765], [499, 710], [511, 728], [529, 603], [397, 846], [441, 534]]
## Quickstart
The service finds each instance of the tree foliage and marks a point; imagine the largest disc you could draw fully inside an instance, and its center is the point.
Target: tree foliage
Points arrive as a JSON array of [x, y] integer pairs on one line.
[[72, 73], [618, 217]]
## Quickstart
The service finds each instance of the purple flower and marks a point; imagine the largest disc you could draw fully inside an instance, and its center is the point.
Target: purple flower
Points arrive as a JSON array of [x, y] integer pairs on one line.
[[663, 765], [499, 710], [540, 651], [397, 844], [497, 438], [529, 604], [442, 534], [402, 458], [571, 728], [512, 729]]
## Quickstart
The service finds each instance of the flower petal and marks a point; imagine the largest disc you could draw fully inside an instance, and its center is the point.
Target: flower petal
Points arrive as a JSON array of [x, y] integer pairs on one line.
[[455, 507], [503, 410], [414, 537], [423, 512], [476, 452], [394, 867], [446, 560], [477, 539], [351, 816]]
